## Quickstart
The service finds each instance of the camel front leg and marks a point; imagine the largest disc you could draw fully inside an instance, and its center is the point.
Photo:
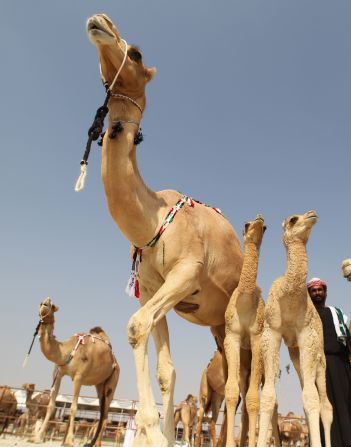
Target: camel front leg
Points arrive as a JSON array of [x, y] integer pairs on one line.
[[165, 375], [77, 383], [232, 353], [270, 345], [181, 282], [252, 399], [40, 435]]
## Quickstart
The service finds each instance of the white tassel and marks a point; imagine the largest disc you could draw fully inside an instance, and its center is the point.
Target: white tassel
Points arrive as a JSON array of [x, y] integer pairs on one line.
[[24, 364], [81, 179]]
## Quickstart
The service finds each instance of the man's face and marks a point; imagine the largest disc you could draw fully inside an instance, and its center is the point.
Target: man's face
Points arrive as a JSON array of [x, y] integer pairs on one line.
[[318, 294]]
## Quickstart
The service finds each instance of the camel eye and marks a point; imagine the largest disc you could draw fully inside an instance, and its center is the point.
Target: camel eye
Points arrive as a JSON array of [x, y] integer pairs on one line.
[[135, 55], [264, 228], [293, 220], [247, 226]]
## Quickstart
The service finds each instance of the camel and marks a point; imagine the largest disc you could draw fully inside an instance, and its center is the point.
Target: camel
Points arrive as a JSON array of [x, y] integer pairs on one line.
[[211, 396], [244, 324], [189, 262], [186, 413], [8, 407], [36, 406], [87, 358], [290, 314], [346, 269], [290, 428]]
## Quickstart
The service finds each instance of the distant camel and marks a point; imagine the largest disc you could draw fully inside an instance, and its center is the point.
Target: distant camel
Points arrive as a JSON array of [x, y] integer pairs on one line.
[[87, 358], [186, 412], [8, 407], [211, 396], [36, 406]]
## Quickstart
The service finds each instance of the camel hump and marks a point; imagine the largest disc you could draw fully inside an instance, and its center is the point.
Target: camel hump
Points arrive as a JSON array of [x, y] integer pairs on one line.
[[97, 330]]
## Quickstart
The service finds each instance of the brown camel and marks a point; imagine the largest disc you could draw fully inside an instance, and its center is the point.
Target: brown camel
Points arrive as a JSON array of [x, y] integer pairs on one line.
[[86, 358], [192, 268], [244, 324], [290, 428], [36, 406], [290, 314], [211, 396], [186, 413], [8, 407]]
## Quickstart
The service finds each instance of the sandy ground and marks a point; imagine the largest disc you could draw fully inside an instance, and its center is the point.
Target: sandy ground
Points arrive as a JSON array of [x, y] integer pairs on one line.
[[12, 441]]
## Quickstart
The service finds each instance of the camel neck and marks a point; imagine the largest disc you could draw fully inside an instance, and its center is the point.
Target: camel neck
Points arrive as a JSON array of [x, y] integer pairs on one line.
[[248, 275], [28, 397], [297, 265], [134, 207], [50, 347]]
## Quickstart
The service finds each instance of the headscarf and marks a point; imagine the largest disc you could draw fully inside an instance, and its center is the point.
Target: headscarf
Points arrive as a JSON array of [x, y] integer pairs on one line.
[[316, 282]]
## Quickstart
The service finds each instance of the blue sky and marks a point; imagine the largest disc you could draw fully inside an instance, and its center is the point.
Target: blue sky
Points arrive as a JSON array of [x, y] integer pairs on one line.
[[249, 111]]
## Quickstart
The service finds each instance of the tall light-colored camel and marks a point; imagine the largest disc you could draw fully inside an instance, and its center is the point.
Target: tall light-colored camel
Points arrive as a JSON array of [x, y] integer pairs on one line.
[[8, 407], [186, 413], [346, 268], [211, 396], [192, 268], [290, 314], [86, 358], [244, 324]]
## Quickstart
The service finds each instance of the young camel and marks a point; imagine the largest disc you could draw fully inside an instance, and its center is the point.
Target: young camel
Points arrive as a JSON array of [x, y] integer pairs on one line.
[[290, 314], [87, 358], [244, 324], [193, 267], [211, 396], [186, 412]]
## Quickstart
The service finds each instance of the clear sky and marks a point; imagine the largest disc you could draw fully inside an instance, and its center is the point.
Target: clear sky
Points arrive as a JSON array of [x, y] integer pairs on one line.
[[249, 111]]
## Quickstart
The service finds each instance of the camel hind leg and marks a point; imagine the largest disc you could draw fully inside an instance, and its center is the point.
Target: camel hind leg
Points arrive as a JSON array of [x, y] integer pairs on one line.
[[105, 393]]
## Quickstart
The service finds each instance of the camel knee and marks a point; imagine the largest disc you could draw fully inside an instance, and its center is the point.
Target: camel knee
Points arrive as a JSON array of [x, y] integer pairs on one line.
[[252, 400], [138, 329], [166, 378], [231, 395]]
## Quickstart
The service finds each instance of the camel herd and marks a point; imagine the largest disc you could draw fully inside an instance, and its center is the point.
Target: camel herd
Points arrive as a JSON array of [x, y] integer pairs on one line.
[[186, 256]]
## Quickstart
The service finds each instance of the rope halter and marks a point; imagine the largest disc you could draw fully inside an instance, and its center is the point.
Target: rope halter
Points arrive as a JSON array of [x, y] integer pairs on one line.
[[97, 127]]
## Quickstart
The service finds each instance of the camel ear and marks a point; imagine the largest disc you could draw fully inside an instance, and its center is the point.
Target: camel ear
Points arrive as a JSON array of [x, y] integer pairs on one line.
[[150, 73]]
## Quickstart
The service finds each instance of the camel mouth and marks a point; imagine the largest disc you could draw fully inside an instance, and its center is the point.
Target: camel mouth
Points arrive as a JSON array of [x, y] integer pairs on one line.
[[95, 28], [259, 218]]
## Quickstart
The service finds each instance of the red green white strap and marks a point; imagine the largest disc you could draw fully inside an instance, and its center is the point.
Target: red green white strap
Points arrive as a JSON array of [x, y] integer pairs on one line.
[[132, 288]]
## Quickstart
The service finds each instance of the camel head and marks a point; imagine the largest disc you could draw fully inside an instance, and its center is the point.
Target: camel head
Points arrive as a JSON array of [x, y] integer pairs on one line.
[[29, 387], [46, 311], [346, 269], [254, 230], [297, 228], [111, 48]]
